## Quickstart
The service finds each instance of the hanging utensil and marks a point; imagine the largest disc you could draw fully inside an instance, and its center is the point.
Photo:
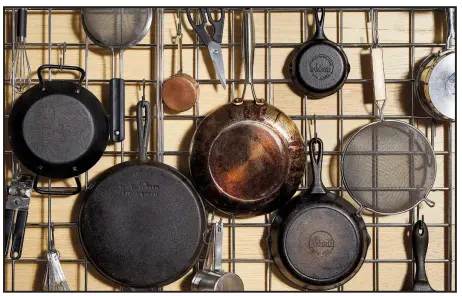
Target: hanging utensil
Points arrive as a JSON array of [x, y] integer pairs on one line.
[[318, 241], [247, 157], [435, 83], [319, 67], [141, 222], [54, 279], [20, 70], [58, 129], [181, 91], [389, 167], [419, 248], [212, 277], [213, 42], [19, 193], [116, 28]]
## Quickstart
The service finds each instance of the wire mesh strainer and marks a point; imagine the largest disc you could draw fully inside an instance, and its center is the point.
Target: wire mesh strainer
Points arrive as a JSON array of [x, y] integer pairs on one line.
[[116, 28], [389, 166]]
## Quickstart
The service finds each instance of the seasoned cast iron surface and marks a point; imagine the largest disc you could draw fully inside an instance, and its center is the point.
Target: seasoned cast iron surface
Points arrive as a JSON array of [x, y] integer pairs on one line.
[[141, 225], [56, 128], [322, 244]]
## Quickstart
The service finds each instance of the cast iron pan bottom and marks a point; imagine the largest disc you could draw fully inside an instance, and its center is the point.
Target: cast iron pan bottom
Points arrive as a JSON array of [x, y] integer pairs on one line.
[[323, 237], [141, 224], [51, 122]]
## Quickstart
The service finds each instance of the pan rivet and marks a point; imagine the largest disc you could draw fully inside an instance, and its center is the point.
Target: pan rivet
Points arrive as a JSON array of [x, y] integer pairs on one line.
[[116, 133]]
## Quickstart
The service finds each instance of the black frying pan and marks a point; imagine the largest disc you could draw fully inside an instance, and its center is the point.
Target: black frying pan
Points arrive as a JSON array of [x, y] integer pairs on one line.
[[318, 241], [141, 222], [58, 129], [319, 67]]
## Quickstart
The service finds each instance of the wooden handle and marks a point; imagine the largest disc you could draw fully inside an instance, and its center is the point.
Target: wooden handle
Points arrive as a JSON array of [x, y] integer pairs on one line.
[[378, 73]]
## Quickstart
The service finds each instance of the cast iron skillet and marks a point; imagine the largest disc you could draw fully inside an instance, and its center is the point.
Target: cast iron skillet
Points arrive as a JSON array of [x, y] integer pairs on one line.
[[141, 222], [58, 129], [318, 241], [319, 67]]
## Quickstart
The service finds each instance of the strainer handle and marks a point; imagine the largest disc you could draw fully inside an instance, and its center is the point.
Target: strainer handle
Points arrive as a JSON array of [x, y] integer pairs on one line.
[[316, 165]]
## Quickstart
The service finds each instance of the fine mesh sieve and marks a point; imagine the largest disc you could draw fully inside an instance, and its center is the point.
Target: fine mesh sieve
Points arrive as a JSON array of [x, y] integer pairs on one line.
[[116, 28], [389, 166]]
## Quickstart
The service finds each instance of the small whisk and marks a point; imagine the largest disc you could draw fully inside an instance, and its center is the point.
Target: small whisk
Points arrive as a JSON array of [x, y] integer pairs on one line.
[[20, 71]]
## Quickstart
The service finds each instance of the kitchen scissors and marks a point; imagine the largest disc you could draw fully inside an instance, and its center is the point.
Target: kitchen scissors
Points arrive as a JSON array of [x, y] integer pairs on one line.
[[213, 43]]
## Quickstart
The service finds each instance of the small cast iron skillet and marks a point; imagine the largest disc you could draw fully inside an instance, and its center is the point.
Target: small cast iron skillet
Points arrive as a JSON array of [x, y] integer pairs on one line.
[[58, 129], [318, 241], [141, 222], [319, 67]]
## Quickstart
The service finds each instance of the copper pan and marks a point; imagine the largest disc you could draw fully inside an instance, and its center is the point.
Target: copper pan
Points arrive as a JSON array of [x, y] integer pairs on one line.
[[181, 91], [247, 157]]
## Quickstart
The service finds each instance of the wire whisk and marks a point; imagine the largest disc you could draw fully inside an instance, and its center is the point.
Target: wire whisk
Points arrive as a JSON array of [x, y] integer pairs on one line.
[[20, 70]]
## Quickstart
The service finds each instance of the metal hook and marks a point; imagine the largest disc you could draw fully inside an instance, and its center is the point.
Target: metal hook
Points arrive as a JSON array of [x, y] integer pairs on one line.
[[178, 28], [359, 212], [421, 223], [143, 97], [179, 42], [315, 131], [374, 16], [62, 58], [52, 240]]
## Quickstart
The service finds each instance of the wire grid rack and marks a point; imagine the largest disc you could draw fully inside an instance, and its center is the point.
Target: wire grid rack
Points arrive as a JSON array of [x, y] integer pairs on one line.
[[160, 118]]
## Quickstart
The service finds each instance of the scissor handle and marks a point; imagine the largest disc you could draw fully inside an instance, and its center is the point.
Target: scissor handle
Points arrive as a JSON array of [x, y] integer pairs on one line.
[[200, 28], [216, 24]]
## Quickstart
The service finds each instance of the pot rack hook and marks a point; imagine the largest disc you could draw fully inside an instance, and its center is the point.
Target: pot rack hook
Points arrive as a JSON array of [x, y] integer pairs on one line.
[[374, 18], [315, 131], [52, 237], [143, 97], [179, 43], [62, 58]]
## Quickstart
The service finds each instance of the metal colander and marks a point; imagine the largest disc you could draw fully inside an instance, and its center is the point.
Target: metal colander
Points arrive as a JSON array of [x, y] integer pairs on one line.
[[116, 28], [389, 167]]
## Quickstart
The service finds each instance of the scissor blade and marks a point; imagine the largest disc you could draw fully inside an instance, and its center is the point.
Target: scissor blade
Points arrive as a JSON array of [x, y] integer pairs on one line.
[[217, 59]]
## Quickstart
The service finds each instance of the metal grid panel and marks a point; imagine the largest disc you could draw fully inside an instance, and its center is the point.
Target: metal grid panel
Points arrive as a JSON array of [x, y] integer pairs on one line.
[[160, 117]]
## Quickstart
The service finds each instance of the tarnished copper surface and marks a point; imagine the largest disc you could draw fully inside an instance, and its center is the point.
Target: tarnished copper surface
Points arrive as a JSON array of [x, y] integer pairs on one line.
[[180, 92], [247, 159]]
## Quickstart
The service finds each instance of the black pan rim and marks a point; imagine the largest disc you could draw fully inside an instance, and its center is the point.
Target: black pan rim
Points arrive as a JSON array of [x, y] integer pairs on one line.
[[32, 161], [344, 274], [108, 172], [307, 89]]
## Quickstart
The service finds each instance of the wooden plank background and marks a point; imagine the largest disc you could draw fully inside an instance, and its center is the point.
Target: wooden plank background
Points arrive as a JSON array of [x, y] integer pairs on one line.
[[285, 27]]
